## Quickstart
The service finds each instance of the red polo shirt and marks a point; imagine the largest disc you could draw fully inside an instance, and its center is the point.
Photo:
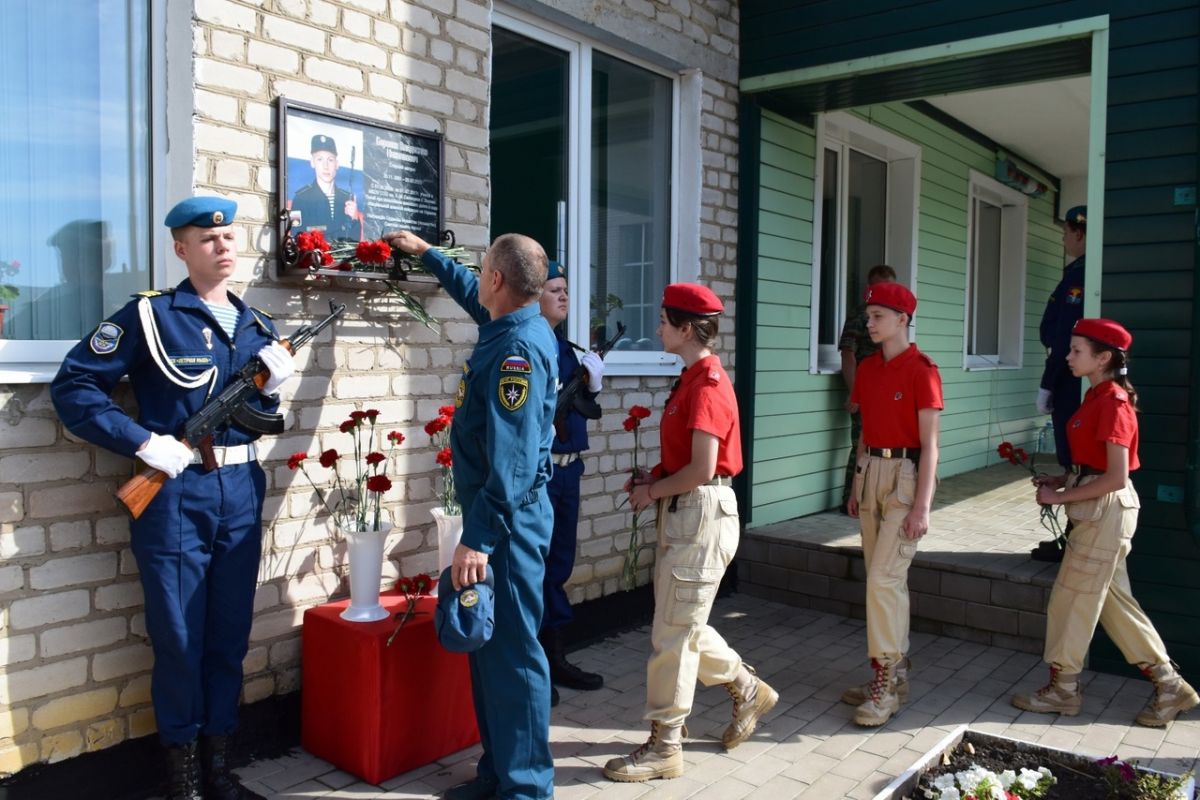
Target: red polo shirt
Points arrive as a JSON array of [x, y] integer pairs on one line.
[[890, 393], [702, 401], [1106, 415]]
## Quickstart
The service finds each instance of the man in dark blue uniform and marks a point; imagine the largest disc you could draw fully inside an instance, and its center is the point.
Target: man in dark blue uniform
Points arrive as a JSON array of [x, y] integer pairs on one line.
[[198, 542], [501, 442], [323, 205], [570, 441], [1059, 393]]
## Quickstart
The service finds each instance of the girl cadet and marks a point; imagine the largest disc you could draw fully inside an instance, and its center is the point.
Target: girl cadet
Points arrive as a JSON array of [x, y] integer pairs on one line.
[[1092, 584], [899, 394], [697, 537]]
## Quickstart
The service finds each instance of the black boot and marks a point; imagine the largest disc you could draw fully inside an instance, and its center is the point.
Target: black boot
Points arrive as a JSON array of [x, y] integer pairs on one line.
[[183, 773], [219, 782], [563, 672]]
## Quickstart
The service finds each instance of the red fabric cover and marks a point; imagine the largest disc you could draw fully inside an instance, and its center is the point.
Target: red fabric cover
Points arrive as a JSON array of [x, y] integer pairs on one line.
[[375, 710]]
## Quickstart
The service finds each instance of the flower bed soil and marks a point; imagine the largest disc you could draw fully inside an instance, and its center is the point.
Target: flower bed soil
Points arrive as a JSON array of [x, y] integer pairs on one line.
[[1079, 777]]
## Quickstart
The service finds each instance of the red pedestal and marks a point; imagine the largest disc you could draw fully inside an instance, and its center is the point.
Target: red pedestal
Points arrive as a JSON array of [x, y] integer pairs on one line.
[[377, 710]]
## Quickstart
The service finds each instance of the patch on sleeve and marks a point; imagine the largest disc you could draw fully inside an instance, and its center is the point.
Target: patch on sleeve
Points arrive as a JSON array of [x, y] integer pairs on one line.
[[106, 338], [514, 391], [1075, 295], [515, 364]]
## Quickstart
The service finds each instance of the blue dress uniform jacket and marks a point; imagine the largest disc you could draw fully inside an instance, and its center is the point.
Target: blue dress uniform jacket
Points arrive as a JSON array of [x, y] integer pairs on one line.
[[1063, 310], [501, 438], [198, 543], [313, 205]]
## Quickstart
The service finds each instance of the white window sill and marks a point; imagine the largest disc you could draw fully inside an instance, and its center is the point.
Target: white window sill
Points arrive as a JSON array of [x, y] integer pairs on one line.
[[29, 373], [984, 366]]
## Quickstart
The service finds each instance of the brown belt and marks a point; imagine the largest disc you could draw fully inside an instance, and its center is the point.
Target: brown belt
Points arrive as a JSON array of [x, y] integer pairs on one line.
[[912, 453], [1083, 470]]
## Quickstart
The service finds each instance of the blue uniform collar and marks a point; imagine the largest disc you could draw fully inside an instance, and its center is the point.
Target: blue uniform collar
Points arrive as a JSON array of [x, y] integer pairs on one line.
[[185, 296], [498, 327]]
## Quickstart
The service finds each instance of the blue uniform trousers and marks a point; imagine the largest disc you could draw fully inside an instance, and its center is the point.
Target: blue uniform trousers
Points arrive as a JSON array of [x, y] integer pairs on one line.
[[563, 490], [510, 677], [197, 546], [1065, 398]]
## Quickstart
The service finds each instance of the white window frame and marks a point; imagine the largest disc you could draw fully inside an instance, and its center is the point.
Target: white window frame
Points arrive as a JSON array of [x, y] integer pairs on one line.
[[1014, 229], [25, 361], [843, 131], [684, 214]]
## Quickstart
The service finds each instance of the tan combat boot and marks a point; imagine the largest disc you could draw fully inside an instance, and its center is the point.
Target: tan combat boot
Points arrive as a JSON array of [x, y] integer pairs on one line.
[[882, 701], [857, 695], [660, 757], [752, 699], [1172, 695], [1060, 696]]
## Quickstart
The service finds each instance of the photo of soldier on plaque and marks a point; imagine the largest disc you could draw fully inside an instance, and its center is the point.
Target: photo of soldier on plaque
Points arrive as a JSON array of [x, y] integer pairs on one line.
[[328, 195]]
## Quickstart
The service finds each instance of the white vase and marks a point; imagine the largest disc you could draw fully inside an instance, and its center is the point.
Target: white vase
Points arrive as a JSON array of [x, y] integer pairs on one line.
[[449, 528], [365, 551]]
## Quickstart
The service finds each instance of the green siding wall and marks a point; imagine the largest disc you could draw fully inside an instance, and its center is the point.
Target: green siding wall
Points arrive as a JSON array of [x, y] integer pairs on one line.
[[801, 433]]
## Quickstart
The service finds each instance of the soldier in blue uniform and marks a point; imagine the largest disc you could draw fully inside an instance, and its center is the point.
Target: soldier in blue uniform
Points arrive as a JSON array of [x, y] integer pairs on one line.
[[501, 442], [570, 441], [1059, 393], [198, 542], [323, 205]]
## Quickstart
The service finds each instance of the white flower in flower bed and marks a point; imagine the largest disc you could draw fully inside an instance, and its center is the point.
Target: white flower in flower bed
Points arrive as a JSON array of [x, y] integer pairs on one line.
[[983, 784]]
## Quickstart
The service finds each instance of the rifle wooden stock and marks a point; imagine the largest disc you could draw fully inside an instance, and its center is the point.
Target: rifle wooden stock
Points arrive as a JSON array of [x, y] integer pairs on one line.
[[137, 492]]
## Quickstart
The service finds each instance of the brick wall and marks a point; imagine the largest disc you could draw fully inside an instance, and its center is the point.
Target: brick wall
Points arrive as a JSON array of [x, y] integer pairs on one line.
[[74, 657]]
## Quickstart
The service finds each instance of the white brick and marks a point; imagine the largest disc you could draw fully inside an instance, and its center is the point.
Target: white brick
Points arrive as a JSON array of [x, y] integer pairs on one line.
[[70, 535], [126, 661], [283, 31], [430, 100], [469, 185], [280, 59], [469, 61], [229, 141], [365, 386], [259, 116], [226, 14], [15, 649], [46, 609], [469, 135], [278, 623], [477, 14], [11, 578], [42, 680], [385, 87], [293, 8], [323, 13], [218, 74], [325, 71], [370, 6], [84, 636], [356, 24], [32, 432], [411, 15], [12, 506], [112, 530], [358, 52], [27, 468], [115, 596], [219, 107], [376, 109], [466, 84], [233, 174], [465, 34], [414, 69], [302, 90], [73, 571], [227, 46], [387, 34], [23, 542], [78, 498]]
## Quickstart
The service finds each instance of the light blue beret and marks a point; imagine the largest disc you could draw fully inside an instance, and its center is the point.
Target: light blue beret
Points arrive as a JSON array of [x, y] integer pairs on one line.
[[204, 212], [555, 270]]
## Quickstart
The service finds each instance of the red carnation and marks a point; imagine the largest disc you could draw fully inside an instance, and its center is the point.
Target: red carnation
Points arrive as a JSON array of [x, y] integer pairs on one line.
[[296, 459], [422, 583], [396, 437], [326, 259], [373, 252], [379, 484], [639, 412], [372, 413], [1005, 450], [630, 423], [329, 458], [404, 584], [375, 458], [446, 411], [1021, 454], [445, 457], [438, 425], [358, 416], [347, 426]]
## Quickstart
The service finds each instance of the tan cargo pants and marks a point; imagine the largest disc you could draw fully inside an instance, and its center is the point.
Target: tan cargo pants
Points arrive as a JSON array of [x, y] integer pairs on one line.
[[886, 490], [1093, 585], [696, 542]]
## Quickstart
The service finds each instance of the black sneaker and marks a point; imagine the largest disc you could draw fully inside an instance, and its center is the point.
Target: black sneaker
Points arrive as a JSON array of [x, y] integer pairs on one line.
[[1047, 551]]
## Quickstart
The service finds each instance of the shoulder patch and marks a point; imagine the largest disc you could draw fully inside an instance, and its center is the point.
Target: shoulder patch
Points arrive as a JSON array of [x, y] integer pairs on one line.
[[153, 293], [106, 339], [713, 377], [1120, 395], [515, 364], [514, 391]]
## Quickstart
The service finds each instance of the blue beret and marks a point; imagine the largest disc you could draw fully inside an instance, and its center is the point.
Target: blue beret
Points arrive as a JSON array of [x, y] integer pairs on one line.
[[204, 212], [1077, 215], [464, 619], [323, 142], [555, 270]]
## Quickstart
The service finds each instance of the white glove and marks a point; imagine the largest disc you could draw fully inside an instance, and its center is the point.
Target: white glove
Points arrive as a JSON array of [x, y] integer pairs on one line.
[[1045, 403], [166, 454], [277, 359], [595, 369]]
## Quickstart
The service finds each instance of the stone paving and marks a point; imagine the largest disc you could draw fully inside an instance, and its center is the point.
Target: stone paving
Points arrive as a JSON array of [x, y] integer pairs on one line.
[[808, 747]]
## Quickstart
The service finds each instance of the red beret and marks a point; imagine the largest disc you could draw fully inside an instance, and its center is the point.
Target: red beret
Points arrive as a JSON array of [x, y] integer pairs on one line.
[[1104, 331], [691, 298], [895, 296]]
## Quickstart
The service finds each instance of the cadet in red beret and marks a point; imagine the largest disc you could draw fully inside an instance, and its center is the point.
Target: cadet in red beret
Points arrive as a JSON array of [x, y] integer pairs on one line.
[[697, 537], [899, 394], [1093, 584]]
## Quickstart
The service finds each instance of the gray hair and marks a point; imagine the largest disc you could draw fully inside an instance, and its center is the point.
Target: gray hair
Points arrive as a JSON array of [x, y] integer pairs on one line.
[[522, 262]]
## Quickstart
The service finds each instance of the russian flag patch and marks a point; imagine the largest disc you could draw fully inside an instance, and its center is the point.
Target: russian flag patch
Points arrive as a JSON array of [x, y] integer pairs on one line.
[[516, 364]]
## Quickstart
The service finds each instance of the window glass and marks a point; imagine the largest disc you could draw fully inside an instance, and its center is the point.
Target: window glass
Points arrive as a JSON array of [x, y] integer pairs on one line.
[[74, 165], [866, 223], [630, 200], [830, 257], [985, 281]]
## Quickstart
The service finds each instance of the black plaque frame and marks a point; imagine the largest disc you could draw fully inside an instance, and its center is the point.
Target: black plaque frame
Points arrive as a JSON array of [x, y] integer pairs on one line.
[[367, 133]]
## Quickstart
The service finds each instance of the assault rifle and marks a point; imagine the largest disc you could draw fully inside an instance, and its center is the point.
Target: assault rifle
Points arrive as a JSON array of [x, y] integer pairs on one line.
[[229, 406], [571, 395]]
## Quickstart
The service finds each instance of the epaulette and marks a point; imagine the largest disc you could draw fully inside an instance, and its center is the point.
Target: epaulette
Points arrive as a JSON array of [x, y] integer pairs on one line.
[[928, 360], [1121, 396], [713, 377], [258, 310], [153, 292]]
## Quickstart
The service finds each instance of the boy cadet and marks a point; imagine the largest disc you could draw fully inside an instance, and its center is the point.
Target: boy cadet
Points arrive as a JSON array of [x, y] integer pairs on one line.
[[198, 543], [899, 393], [570, 441]]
